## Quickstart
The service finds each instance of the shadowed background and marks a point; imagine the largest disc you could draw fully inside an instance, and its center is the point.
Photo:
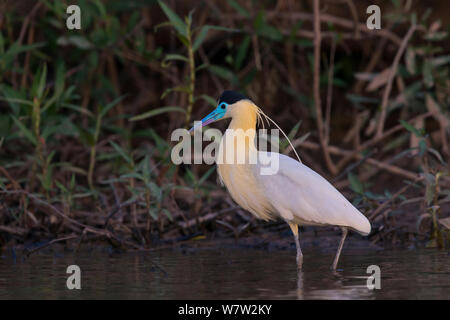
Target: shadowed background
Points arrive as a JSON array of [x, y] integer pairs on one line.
[[86, 115]]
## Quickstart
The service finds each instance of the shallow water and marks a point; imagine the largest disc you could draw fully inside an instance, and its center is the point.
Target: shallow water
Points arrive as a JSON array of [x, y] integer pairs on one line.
[[231, 273]]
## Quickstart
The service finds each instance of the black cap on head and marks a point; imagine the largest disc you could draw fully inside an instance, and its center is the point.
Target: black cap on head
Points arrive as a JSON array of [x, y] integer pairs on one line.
[[231, 97]]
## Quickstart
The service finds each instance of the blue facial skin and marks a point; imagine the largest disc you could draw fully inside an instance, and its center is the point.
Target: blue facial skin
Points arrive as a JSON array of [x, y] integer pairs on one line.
[[221, 110], [217, 114]]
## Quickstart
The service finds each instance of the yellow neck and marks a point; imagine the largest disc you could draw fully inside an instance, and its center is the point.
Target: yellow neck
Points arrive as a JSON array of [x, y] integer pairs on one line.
[[243, 128], [244, 118]]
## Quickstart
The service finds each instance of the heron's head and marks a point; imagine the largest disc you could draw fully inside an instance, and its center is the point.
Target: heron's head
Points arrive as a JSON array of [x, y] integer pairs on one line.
[[230, 102]]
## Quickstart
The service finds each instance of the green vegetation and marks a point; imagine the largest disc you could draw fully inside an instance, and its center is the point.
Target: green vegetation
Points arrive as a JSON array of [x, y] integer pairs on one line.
[[86, 115]]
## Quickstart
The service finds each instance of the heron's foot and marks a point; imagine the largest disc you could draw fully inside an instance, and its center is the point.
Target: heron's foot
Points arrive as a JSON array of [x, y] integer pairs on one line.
[[336, 270], [334, 266]]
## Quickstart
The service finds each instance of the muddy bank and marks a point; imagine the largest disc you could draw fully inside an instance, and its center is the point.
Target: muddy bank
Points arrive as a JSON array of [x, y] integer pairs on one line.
[[311, 239]]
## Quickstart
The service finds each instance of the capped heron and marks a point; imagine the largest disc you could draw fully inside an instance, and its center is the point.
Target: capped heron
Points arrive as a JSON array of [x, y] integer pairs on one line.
[[294, 193]]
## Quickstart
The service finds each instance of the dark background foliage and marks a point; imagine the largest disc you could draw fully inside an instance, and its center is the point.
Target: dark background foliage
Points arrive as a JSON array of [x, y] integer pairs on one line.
[[86, 115]]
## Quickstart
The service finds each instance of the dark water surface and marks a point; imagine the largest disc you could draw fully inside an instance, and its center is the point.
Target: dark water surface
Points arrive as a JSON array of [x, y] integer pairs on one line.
[[232, 273]]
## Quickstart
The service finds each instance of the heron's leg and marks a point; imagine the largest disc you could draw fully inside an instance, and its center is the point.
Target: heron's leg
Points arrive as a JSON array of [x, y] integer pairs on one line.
[[341, 244], [294, 228]]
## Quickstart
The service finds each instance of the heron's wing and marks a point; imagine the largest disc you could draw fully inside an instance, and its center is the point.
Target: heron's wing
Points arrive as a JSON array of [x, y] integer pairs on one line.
[[300, 194]]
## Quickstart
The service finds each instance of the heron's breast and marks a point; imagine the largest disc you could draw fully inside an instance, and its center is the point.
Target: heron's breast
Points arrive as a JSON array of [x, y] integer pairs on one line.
[[244, 189]]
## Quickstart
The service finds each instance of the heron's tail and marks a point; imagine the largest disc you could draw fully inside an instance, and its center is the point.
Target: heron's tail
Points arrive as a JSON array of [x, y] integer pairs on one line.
[[362, 226]]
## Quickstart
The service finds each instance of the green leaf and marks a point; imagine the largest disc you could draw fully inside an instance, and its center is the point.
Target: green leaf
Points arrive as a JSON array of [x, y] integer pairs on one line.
[[413, 18], [122, 152], [171, 57], [427, 74], [101, 8], [440, 61], [238, 8], [110, 105], [153, 213], [145, 168], [48, 103], [72, 182], [42, 82], [77, 41], [372, 196], [180, 88], [167, 213], [436, 36], [429, 194], [38, 86], [62, 187], [2, 44], [422, 147], [204, 31], [133, 175], [355, 184], [205, 176], [27, 133], [155, 190], [224, 73], [59, 79], [155, 112], [263, 29], [15, 49], [5, 127], [284, 143], [190, 177], [242, 53], [176, 21], [208, 99], [358, 100], [78, 109], [411, 128], [86, 137], [14, 98], [436, 154], [201, 67], [410, 58]]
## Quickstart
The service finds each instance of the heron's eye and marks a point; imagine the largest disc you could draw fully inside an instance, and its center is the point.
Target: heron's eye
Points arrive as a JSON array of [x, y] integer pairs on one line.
[[223, 106]]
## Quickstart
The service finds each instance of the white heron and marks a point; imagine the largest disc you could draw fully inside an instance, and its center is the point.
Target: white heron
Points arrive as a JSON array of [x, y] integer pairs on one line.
[[294, 193]]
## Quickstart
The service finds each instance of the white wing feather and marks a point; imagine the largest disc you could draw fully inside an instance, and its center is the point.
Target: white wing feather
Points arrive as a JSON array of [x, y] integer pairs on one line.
[[301, 195]]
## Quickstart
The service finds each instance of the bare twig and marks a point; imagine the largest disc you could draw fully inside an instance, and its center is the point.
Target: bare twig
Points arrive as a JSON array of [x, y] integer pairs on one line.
[[379, 164], [317, 102], [330, 91], [23, 30], [354, 13], [393, 71], [384, 204], [256, 52], [28, 252], [14, 230], [375, 140], [118, 208], [327, 18], [205, 218]]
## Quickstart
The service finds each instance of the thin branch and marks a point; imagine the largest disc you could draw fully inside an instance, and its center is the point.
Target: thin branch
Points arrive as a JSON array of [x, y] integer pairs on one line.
[[326, 18], [29, 252], [316, 87], [206, 218], [393, 71], [384, 204], [330, 91], [375, 140], [376, 163]]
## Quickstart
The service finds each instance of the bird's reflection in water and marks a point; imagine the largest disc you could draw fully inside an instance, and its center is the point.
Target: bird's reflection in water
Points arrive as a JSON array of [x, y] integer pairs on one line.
[[300, 295], [331, 286]]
